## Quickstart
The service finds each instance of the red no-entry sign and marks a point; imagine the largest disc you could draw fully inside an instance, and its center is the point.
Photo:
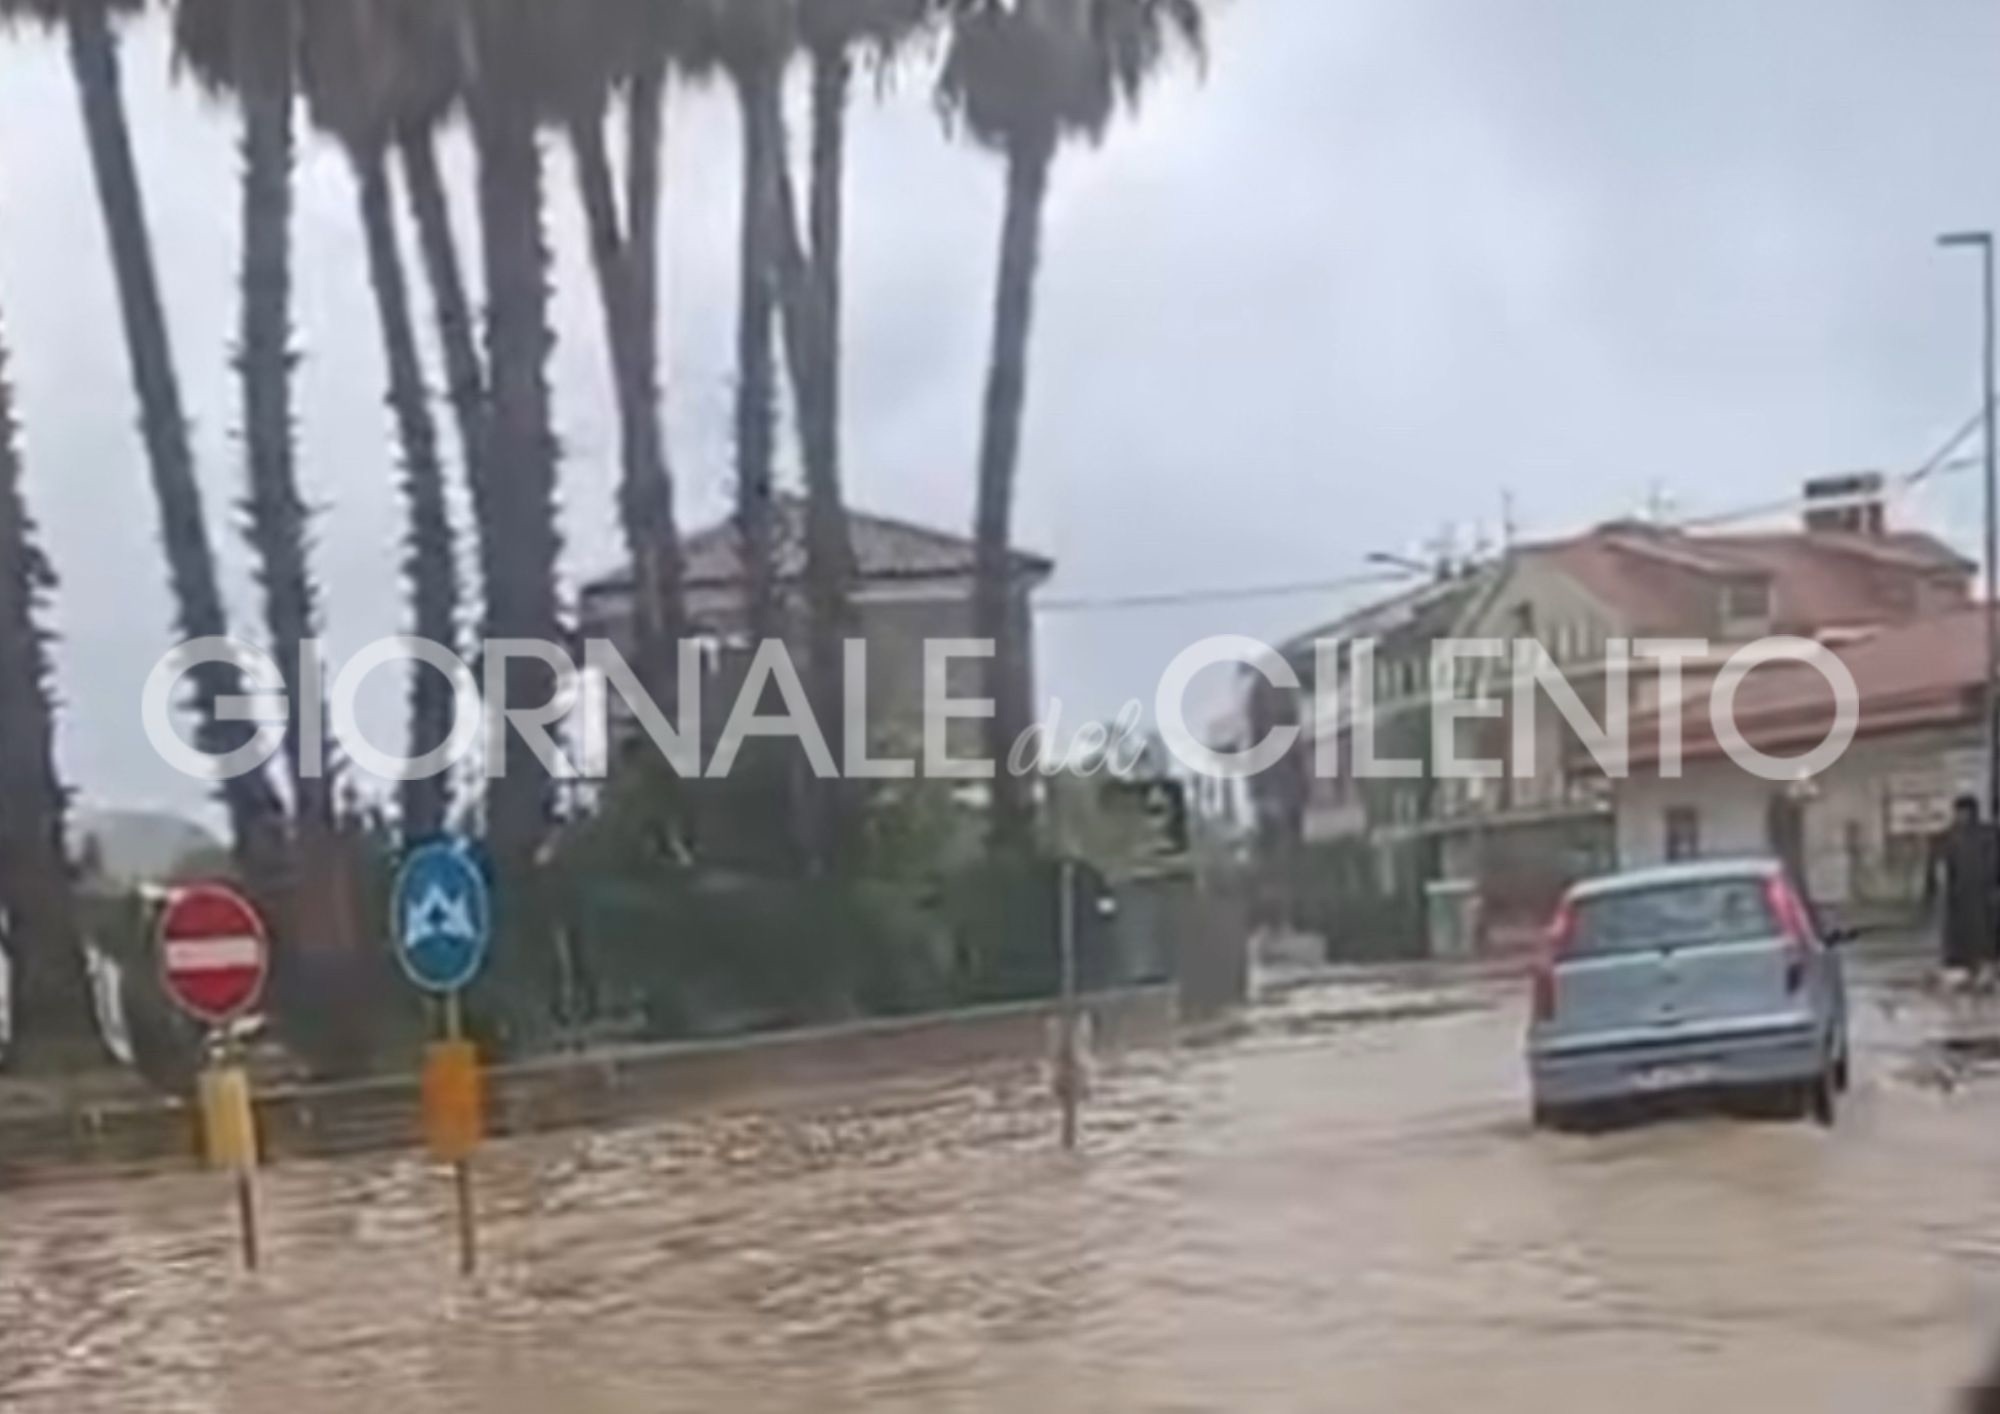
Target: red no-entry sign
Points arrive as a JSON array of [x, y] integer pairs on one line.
[[214, 951]]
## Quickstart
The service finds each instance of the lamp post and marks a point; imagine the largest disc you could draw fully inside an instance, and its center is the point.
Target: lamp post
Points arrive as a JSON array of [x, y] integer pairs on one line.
[[1982, 241]]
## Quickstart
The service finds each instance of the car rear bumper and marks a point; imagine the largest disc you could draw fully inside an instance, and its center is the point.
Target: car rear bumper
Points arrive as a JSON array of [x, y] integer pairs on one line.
[[1715, 1062]]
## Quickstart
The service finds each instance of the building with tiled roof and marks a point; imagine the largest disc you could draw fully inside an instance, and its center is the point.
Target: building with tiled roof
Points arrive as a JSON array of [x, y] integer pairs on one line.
[[1858, 829], [886, 551], [912, 584], [1843, 572], [1653, 581], [1843, 576]]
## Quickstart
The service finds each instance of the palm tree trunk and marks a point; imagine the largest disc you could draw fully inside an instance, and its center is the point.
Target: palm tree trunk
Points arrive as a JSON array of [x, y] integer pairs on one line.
[[521, 588], [465, 377], [994, 618], [758, 93], [51, 1000], [277, 516], [629, 300], [647, 503], [430, 561], [829, 540], [832, 76], [253, 807], [809, 285]]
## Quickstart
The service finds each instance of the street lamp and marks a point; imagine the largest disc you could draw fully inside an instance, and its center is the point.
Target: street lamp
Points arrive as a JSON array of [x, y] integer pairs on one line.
[[1982, 241]]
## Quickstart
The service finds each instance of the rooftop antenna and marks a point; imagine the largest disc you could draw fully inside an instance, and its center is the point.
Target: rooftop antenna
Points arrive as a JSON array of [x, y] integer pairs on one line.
[[1441, 549], [1659, 504]]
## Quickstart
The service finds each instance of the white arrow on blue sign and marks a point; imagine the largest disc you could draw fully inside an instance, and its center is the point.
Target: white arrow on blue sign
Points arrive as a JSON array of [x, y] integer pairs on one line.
[[443, 915]]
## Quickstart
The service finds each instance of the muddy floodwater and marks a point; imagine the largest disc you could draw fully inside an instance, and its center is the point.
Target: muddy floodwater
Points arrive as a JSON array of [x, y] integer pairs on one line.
[[1338, 1207]]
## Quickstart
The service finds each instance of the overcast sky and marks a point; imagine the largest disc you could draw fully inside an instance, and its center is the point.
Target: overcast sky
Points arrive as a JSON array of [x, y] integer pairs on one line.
[[1385, 260]]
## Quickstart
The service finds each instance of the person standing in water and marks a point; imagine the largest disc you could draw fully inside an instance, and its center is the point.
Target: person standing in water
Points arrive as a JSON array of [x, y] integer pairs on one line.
[[1964, 874]]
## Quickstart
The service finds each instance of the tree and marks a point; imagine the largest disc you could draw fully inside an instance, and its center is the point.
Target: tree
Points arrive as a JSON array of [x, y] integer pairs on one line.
[[1022, 76], [253, 806], [519, 541], [783, 288], [809, 285], [363, 74], [52, 1016], [250, 48], [432, 63], [752, 40], [615, 42]]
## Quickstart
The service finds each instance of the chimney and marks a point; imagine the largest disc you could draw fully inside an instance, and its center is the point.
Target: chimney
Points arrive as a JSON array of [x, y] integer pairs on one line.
[[1850, 504]]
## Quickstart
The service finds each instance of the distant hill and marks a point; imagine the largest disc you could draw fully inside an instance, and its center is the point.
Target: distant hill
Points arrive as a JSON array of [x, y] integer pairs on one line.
[[139, 846]]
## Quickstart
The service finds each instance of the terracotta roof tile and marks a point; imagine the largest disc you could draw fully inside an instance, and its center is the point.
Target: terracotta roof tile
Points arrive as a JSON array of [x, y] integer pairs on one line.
[[1928, 670], [884, 548], [1661, 581]]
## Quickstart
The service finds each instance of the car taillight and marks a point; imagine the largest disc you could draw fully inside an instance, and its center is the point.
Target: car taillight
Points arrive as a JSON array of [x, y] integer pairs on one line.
[[1545, 990], [1562, 930], [1790, 915], [1561, 936]]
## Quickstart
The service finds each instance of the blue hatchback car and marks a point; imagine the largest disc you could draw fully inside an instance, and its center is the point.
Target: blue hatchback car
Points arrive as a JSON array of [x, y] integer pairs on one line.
[[1714, 976]]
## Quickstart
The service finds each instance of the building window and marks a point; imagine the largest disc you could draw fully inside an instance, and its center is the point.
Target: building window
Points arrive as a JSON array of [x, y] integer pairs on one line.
[[1683, 833], [1747, 599]]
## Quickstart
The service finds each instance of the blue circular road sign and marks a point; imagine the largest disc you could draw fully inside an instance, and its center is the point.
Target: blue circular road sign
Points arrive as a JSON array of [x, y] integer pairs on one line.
[[443, 915]]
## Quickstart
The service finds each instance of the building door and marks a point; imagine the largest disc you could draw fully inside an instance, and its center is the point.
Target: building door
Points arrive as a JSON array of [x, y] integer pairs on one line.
[[1785, 830], [1683, 832]]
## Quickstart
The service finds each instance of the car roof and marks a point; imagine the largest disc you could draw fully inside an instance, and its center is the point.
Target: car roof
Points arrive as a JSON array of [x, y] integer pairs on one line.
[[1705, 871]]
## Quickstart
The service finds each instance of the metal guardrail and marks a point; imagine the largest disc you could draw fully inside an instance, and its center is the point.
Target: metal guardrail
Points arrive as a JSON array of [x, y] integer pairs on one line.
[[606, 1087]]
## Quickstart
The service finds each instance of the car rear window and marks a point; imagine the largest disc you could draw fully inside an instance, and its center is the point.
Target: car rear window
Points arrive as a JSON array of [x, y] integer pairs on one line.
[[1673, 915]]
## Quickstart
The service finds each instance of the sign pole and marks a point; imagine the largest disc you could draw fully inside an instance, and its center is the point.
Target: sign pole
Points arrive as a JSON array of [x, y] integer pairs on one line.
[[1069, 1077], [246, 1207], [443, 924], [229, 1135], [214, 957], [461, 1168], [245, 1121], [229, 1128]]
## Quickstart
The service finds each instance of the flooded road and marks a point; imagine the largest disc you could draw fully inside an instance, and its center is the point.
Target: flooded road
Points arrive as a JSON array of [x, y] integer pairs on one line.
[[1328, 1211]]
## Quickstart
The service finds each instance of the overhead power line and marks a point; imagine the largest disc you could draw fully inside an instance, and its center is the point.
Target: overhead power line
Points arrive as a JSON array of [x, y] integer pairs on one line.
[[1940, 458], [1173, 599], [1942, 462]]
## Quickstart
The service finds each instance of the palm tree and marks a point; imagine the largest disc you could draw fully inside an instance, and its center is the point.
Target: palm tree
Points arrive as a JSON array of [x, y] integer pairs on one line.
[[432, 60], [810, 270], [613, 43], [809, 284], [363, 73], [520, 541], [93, 51], [752, 42], [1023, 76], [250, 48], [51, 1002], [795, 281], [752, 39]]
